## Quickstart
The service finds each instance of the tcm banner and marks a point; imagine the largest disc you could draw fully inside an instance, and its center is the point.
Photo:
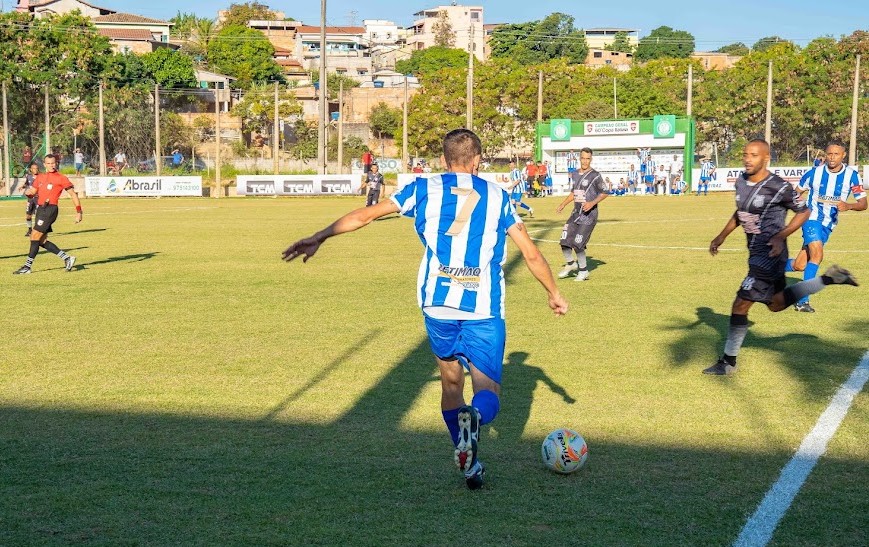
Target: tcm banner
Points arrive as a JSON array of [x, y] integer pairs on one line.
[[297, 185], [143, 186]]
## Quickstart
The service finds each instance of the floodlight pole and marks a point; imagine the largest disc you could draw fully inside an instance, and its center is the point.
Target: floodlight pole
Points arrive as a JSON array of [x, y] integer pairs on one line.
[[341, 127], [102, 128], [158, 156], [217, 141], [47, 124], [615, 99], [275, 136], [404, 156], [690, 89], [6, 157], [768, 130], [321, 125], [469, 111], [539, 96]]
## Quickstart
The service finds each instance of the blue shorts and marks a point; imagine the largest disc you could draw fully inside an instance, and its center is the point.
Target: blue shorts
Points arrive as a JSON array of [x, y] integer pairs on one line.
[[815, 231], [480, 342], [705, 179], [516, 196], [650, 178]]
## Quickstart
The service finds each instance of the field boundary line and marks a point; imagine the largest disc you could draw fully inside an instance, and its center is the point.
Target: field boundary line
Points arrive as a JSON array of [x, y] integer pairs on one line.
[[170, 209], [759, 528]]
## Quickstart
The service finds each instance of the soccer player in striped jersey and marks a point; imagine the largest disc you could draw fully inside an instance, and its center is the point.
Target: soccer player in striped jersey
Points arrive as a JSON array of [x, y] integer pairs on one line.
[[518, 189], [633, 179], [829, 186], [463, 222], [762, 202], [707, 172]]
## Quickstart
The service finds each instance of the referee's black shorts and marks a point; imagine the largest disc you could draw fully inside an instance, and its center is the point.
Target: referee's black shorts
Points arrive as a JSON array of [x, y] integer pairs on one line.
[[45, 217]]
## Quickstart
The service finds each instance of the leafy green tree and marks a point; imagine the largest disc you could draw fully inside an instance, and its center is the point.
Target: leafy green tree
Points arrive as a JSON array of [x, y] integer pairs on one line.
[[334, 81], [257, 107], [183, 23], [170, 68], [620, 43], [305, 147], [665, 42], [736, 48], [245, 54], [539, 41], [241, 14], [767, 42], [384, 120], [426, 61], [505, 38], [443, 31], [353, 148]]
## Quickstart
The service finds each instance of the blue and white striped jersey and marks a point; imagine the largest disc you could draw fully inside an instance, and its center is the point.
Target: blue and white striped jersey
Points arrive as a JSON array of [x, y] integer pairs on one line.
[[651, 166], [706, 169], [573, 161], [633, 176], [826, 189], [516, 176], [462, 221], [643, 154]]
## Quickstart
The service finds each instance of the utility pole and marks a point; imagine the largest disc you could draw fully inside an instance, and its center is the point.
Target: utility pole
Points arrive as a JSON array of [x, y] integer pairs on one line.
[[47, 124], [6, 157], [539, 96], [768, 130], [852, 150], [691, 89], [275, 136], [341, 127], [404, 156], [158, 157], [321, 125], [469, 112], [615, 99], [216, 141], [102, 124]]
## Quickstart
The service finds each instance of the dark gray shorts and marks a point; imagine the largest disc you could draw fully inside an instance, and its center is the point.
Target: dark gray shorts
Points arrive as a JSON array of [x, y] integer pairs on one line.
[[576, 235]]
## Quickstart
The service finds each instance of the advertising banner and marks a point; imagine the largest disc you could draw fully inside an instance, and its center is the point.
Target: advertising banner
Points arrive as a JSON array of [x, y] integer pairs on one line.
[[297, 185], [384, 165], [724, 178], [143, 186], [613, 127]]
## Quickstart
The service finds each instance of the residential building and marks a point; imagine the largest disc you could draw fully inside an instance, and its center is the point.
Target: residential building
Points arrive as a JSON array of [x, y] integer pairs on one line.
[[131, 33], [291, 67], [346, 50], [466, 23], [58, 7], [282, 34], [713, 60], [600, 38], [386, 43], [617, 59]]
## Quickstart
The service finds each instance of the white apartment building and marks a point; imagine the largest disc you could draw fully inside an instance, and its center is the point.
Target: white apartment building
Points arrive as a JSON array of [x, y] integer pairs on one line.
[[466, 23]]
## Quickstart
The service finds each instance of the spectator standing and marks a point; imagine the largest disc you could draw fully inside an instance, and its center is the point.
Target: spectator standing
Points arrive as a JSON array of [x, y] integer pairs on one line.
[[367, 160], [78, 161]]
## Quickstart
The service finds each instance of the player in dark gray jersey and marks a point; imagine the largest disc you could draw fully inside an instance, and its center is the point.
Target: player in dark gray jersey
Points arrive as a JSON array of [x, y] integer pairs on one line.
[[587, 189], [762, 202]]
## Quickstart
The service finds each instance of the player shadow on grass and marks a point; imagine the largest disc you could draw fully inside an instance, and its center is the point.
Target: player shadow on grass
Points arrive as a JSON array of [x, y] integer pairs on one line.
[[129, 258], [520, 381], [88, 231], [810, 358], [24, 255]]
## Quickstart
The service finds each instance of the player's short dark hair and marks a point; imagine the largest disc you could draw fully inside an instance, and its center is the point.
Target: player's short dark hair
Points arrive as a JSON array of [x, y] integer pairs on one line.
[[49, 156], [758, 140], [586, 149], [836, 142], [461, 146]]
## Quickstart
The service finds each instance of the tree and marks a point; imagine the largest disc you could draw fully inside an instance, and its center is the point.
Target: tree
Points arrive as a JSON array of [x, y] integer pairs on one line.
[[620, 43], [384, 120], [426, 61], [765, 43], [170, 68], [665, 42], [245, 54], [736, 48], [540, 41], [242, 14], [334, 81], [443, 31], [197, 34], [257, 107]]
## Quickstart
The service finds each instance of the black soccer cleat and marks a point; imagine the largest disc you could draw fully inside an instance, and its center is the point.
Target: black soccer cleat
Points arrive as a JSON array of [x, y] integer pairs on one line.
[[469, 432], [21, 271], [840, 276], [721, 368], [28, 232], [805, 307], [474, 478]]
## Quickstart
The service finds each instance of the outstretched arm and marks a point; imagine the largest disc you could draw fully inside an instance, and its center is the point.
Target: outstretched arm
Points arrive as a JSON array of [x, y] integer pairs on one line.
[[719, 239], [348, 223], [75, 201], [538, 266]]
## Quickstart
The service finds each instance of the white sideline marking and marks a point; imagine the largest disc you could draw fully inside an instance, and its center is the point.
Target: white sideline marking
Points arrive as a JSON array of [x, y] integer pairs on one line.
[[170, 209], [759, 528]]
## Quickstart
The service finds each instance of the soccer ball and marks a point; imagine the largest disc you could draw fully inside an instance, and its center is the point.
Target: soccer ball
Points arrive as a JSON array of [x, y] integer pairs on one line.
[[564, 451]]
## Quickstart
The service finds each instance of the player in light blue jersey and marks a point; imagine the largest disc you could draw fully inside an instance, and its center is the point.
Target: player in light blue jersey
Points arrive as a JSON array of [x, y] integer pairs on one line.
[[463, 222], [518, 189], [828, 186], [707, 173]]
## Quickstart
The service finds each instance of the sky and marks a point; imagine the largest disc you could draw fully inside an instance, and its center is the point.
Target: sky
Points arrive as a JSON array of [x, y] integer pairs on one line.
[[713, 24]]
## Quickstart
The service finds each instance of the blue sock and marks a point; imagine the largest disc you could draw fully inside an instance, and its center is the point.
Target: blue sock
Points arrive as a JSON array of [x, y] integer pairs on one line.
[[524, 206], [789, 266], [810, 272], [488, 404], [451, 418]]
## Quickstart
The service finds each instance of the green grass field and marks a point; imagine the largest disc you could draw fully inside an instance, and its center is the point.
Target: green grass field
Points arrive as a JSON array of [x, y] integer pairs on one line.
[[184, 386]]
